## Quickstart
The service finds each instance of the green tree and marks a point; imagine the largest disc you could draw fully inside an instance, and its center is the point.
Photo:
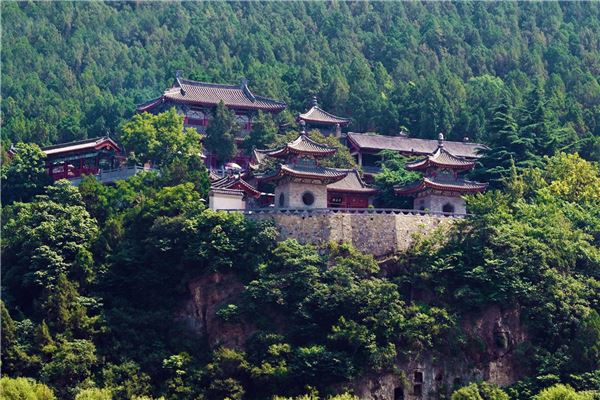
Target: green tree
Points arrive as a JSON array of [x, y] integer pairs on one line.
[[563, 392], [393, 173], [539, 126], [24, 389], [159, 138], [263, 134], [47, 255], [24, 175], [70, 366], [94, 394], [220, 133], [479, 391], [505, 148]]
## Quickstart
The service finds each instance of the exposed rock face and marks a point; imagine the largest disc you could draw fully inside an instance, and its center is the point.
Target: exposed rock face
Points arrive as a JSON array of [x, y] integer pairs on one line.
[[428, 377], [207, 294], [494, 333], [425, 377]]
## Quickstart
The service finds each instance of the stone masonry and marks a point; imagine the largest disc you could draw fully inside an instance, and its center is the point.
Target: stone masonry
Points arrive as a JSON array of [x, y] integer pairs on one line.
[[378, 233]]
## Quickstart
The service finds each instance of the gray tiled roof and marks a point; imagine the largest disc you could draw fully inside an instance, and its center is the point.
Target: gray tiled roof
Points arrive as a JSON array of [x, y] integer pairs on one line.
[[455, 185], [86, 144], [303, 145], [441, 157], [210, 94], [351, 183], [371, 141], [318, 115]]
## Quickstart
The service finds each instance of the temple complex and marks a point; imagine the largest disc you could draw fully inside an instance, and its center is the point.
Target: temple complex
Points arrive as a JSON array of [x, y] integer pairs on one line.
[[301, 182], [327, 123], [366, 148], [441, 188]]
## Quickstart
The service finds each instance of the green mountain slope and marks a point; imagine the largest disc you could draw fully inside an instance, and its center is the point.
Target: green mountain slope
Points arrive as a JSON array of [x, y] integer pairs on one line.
[[71, 70]]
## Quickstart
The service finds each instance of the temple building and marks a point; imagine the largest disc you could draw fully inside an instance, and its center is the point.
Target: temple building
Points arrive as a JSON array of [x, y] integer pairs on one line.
[[441, 188], [350, 192], [196, 101], [301, 182], [366, 148], [233, 192], [327, 123], [101, 157]]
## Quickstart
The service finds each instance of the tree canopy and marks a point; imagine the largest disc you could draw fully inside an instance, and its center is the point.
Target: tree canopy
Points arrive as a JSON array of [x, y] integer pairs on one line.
[[78, 70]]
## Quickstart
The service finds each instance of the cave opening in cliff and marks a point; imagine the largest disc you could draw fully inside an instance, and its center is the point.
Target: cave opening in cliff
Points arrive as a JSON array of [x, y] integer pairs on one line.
[[399, 393]]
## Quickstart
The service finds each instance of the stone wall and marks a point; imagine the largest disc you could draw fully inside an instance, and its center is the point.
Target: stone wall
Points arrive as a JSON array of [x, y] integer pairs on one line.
[[376, 232]]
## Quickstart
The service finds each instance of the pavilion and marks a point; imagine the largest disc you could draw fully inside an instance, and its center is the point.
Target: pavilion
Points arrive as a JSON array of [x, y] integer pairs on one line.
[[441, 188]]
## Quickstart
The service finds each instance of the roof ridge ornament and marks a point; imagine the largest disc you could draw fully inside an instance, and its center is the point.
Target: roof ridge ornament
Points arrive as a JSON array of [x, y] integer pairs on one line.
[[302, 128], [315, 102], [178, 77], [440, 139], [245, 89]]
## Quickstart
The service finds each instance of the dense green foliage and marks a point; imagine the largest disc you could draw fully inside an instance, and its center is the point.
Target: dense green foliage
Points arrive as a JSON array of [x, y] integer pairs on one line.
[[481, 391], [91, 274], [24, 389], [393, 173], [263, 134], [220, 133], [73, 70], [95, 277], [24, 174]]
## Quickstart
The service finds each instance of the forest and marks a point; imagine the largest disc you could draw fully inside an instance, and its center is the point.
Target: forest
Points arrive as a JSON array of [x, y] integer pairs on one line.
[[94, 276], [74, 70]]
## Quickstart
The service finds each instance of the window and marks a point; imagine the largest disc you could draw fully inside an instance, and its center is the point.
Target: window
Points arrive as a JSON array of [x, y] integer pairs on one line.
[[281, 199], [448, 208], [308, 198]]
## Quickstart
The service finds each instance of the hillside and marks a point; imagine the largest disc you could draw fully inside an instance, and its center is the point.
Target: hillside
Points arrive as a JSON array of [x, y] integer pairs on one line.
[[74, 70], [137, 290]]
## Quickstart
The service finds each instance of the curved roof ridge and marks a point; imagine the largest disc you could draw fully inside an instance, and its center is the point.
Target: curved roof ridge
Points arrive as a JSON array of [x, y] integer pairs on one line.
[[200, 83], [313, 115], [443, 158]]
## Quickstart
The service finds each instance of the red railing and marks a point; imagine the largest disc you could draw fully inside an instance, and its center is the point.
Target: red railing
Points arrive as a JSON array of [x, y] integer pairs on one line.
[[71, 172]]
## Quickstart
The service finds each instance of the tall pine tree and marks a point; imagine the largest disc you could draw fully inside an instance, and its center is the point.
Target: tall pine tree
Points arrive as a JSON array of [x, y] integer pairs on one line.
[[263, 134], [505, 148], [539, 126], [220, 133]]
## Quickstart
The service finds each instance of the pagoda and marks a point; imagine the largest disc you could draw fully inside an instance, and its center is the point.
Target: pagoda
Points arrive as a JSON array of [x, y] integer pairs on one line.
[[300, 181], [326, 123], [441, 188]]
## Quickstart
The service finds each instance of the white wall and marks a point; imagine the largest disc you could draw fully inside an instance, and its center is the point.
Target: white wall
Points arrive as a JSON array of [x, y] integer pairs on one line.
[[226, 201], [435, 203], [293, 191]]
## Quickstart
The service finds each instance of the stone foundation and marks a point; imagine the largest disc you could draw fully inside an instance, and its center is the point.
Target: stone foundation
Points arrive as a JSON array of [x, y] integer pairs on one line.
[[376, 232]]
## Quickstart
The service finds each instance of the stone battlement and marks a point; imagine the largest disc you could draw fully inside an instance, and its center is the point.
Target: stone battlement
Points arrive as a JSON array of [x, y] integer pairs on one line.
[[376, 231]]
